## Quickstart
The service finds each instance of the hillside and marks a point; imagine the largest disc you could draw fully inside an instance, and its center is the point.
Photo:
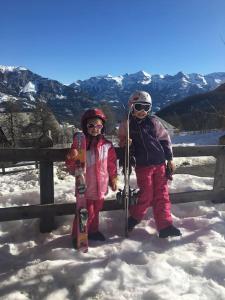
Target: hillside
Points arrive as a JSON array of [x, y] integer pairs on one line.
[[198, 112]]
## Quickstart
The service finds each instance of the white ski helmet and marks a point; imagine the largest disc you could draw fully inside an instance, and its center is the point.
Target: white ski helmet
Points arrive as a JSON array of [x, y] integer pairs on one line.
[[140, 97]]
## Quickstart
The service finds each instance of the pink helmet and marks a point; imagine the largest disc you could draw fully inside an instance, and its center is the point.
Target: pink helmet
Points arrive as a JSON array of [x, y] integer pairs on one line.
[[89, 114], [140, 97]]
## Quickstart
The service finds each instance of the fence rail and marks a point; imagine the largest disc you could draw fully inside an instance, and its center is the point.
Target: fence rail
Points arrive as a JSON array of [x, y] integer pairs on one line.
[[47, 209], [58, 154], [5, 165]]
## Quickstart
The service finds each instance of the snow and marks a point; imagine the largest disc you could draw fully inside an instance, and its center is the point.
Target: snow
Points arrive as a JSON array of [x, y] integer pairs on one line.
[[198, 138], [141, 77], [141, 267], [218, 81], [118, 79], [4, 69], [5, 97], [60, 97], [198, 79], [29, 88]]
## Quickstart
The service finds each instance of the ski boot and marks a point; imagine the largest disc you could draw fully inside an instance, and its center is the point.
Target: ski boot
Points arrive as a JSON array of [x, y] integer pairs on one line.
[[169, 231]]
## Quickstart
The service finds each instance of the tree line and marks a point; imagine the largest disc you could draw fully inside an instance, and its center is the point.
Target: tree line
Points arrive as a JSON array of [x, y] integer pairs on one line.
[[28, 128]]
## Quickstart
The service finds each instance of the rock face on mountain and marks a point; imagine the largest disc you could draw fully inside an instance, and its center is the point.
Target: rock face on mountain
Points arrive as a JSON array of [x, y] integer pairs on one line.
[[68, 102]]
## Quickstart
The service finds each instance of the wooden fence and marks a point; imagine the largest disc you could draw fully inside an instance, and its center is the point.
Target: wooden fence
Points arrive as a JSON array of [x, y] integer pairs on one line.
[[47, 209]]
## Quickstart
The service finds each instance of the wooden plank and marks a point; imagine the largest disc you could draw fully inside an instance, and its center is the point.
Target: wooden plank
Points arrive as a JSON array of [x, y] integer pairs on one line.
[[33, 154], [50, 210], [47, 210], [59, 154], [3, 171], [216, 196], [46, 194], [191, 151], [219, 177], [36, 211]]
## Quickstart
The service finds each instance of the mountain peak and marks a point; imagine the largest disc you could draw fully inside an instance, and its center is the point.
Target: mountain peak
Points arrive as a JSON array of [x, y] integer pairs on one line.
[[181, 74], [4, 69], [139, 74], [139, 77], [143, 73]]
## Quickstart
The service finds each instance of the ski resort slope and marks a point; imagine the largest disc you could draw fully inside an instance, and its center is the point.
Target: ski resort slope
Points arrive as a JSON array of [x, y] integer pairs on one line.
[[142, 267]]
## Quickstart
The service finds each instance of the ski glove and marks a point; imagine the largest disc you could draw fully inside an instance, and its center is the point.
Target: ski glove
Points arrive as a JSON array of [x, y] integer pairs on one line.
[[72, 154], [170, 167]]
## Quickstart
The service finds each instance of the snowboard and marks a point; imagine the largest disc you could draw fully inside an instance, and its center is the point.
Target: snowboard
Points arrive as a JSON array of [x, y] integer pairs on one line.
[[79, 142]]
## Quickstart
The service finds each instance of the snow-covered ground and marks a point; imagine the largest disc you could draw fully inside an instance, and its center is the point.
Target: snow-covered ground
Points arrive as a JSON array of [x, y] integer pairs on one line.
[[44, 266], [197, 138]]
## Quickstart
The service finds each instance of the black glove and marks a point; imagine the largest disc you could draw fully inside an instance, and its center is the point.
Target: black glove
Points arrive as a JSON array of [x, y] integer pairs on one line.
[[169, 172]]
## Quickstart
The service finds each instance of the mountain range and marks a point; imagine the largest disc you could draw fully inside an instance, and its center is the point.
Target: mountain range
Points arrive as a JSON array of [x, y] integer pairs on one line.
[[164, 89], [68, 101]]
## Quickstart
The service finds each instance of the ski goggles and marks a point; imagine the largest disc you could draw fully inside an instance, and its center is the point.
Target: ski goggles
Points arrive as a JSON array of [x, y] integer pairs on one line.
[[142, 106], [91, 126]]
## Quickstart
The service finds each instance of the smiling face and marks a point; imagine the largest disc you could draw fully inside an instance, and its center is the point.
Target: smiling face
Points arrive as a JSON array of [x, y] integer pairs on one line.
[[140, 114], [94, 126]]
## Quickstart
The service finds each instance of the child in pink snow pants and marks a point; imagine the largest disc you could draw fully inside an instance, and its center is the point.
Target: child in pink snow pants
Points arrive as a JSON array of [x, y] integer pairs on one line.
[[101, 169], [151, 147]]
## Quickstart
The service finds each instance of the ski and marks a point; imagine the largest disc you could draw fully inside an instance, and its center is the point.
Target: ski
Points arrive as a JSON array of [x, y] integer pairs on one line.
[[127, 196], [127, 175], [81, 206]]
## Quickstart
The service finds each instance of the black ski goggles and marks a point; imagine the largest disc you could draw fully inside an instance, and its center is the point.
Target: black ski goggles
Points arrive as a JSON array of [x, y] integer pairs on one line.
[[142, 106]]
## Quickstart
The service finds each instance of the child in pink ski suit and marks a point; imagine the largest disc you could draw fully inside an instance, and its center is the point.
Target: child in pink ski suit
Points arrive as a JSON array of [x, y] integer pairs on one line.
[[152, 148], [101, 169]]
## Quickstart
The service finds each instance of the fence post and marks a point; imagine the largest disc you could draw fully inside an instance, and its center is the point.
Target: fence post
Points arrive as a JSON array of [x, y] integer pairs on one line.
[[219, 177], [47, 223], [3, 170]]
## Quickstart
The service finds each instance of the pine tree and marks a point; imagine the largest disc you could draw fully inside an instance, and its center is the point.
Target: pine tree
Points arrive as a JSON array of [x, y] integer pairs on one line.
[[45, 120], [110, 115]]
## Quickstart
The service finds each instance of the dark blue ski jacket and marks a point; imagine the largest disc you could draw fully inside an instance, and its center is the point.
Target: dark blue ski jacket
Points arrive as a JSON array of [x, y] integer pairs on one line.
[[151, 142]]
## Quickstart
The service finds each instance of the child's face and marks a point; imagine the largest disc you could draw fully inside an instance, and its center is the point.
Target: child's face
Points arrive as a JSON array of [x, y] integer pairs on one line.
[[94, 126], [141, 110]]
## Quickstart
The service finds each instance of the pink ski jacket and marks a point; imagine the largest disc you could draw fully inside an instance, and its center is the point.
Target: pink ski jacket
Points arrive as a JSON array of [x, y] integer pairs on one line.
[[101, 167]]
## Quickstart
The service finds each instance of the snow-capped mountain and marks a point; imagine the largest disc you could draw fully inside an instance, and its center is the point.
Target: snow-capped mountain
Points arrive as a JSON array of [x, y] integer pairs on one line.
[[68, 102], [26, 88], [164, 89], [21, 82]]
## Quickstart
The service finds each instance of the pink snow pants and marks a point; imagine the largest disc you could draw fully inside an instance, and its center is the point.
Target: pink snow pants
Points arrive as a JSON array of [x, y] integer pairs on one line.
[[152, 183], [93, 207]]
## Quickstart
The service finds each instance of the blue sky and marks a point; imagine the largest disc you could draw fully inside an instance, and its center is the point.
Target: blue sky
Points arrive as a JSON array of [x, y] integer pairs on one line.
[[76, 39]]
